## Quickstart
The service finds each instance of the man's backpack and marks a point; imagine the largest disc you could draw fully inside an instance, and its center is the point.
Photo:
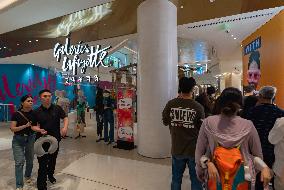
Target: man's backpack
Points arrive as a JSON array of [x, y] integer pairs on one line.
[[230, 165]]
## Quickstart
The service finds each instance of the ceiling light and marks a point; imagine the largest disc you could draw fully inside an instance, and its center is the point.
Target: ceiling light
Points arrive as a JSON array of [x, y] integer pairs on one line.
[[33, 64], [181, 7], [5, 47], [6, 3], [30, 41], [36, 40], [241, 45], [79, 20], [232, 35], [0, 48], [235, 38], [18, 44]]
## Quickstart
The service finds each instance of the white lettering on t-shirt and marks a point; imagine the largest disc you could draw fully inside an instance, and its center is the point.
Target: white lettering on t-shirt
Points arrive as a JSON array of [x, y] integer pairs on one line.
[[182, 117]]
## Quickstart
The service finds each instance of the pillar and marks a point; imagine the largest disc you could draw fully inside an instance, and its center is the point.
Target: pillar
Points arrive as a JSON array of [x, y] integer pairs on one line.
[[157, 74]]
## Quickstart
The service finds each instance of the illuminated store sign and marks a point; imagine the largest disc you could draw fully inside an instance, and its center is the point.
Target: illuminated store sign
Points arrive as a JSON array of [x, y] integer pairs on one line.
[[254, 45], [71, 79], [81, 79], [71, 56]]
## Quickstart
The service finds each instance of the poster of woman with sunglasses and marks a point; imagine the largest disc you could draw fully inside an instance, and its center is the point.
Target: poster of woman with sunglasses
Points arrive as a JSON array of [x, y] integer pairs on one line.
[[254, 74]]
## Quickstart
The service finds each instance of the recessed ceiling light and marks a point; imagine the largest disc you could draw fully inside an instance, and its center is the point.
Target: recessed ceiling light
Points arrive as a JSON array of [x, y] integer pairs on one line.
[[33, 64], [36, 40], [18, 44], [0, 48], [241, 45], [235, 38], [30, 41], [232, 35], [181, 7], [5, 47]]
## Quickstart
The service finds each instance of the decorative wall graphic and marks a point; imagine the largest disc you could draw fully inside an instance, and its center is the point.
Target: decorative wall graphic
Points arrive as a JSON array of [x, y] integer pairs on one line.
[[254, 73], [254, 45], [17, 80], [125, 118], [253, 68], [96, 56], [269, 71]]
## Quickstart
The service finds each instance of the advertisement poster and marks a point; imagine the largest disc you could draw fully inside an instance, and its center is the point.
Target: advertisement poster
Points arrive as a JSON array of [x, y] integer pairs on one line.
[[252, 63], [125, 115]]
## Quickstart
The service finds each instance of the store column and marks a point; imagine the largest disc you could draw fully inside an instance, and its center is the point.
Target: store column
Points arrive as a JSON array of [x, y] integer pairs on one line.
[[157, 74]]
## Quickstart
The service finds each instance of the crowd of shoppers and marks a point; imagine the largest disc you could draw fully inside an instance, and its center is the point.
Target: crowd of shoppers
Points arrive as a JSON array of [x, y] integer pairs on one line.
[[239, 144]]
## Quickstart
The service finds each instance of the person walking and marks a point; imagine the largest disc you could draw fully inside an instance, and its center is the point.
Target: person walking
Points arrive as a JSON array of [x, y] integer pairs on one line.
[[48, 117], [226, 138], [276, 137], [264, 116], [23, 141], [184, 116]]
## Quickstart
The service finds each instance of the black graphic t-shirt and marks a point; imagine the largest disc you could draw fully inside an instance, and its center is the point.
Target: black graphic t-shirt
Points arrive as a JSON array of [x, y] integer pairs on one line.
[[23, 121], [184, 116]]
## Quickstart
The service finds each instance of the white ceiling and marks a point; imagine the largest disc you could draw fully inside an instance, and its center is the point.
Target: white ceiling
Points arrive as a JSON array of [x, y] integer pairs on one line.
[[30, 12], [228, 49]]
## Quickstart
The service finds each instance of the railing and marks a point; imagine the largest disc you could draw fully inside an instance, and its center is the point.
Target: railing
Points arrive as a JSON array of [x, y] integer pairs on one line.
[[5, 112]]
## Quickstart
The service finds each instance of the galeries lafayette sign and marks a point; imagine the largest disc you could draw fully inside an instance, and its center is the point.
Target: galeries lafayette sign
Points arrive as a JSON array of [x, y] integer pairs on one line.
[[71, 56]]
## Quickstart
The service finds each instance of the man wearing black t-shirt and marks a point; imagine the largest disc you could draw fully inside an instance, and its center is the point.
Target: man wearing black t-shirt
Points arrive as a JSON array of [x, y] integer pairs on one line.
[[48, 117]]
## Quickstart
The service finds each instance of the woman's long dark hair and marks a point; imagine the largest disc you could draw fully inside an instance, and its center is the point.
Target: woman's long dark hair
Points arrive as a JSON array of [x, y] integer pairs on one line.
[[23, 99], [230, 101]]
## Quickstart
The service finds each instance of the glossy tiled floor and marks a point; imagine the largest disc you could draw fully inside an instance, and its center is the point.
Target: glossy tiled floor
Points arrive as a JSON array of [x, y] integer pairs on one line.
[[84, 164]]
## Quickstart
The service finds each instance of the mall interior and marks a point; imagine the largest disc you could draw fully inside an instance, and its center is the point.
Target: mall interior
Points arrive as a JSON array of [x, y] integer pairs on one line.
[[129, 56]]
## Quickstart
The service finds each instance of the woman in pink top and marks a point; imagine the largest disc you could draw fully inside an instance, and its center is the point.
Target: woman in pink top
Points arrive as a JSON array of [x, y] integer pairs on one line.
[[229, 130]]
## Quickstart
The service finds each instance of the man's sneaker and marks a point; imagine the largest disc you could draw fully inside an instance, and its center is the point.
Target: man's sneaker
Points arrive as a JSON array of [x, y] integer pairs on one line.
[[111, 143], [99, 139], [19, 188], [52, 180], [28, 180]]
